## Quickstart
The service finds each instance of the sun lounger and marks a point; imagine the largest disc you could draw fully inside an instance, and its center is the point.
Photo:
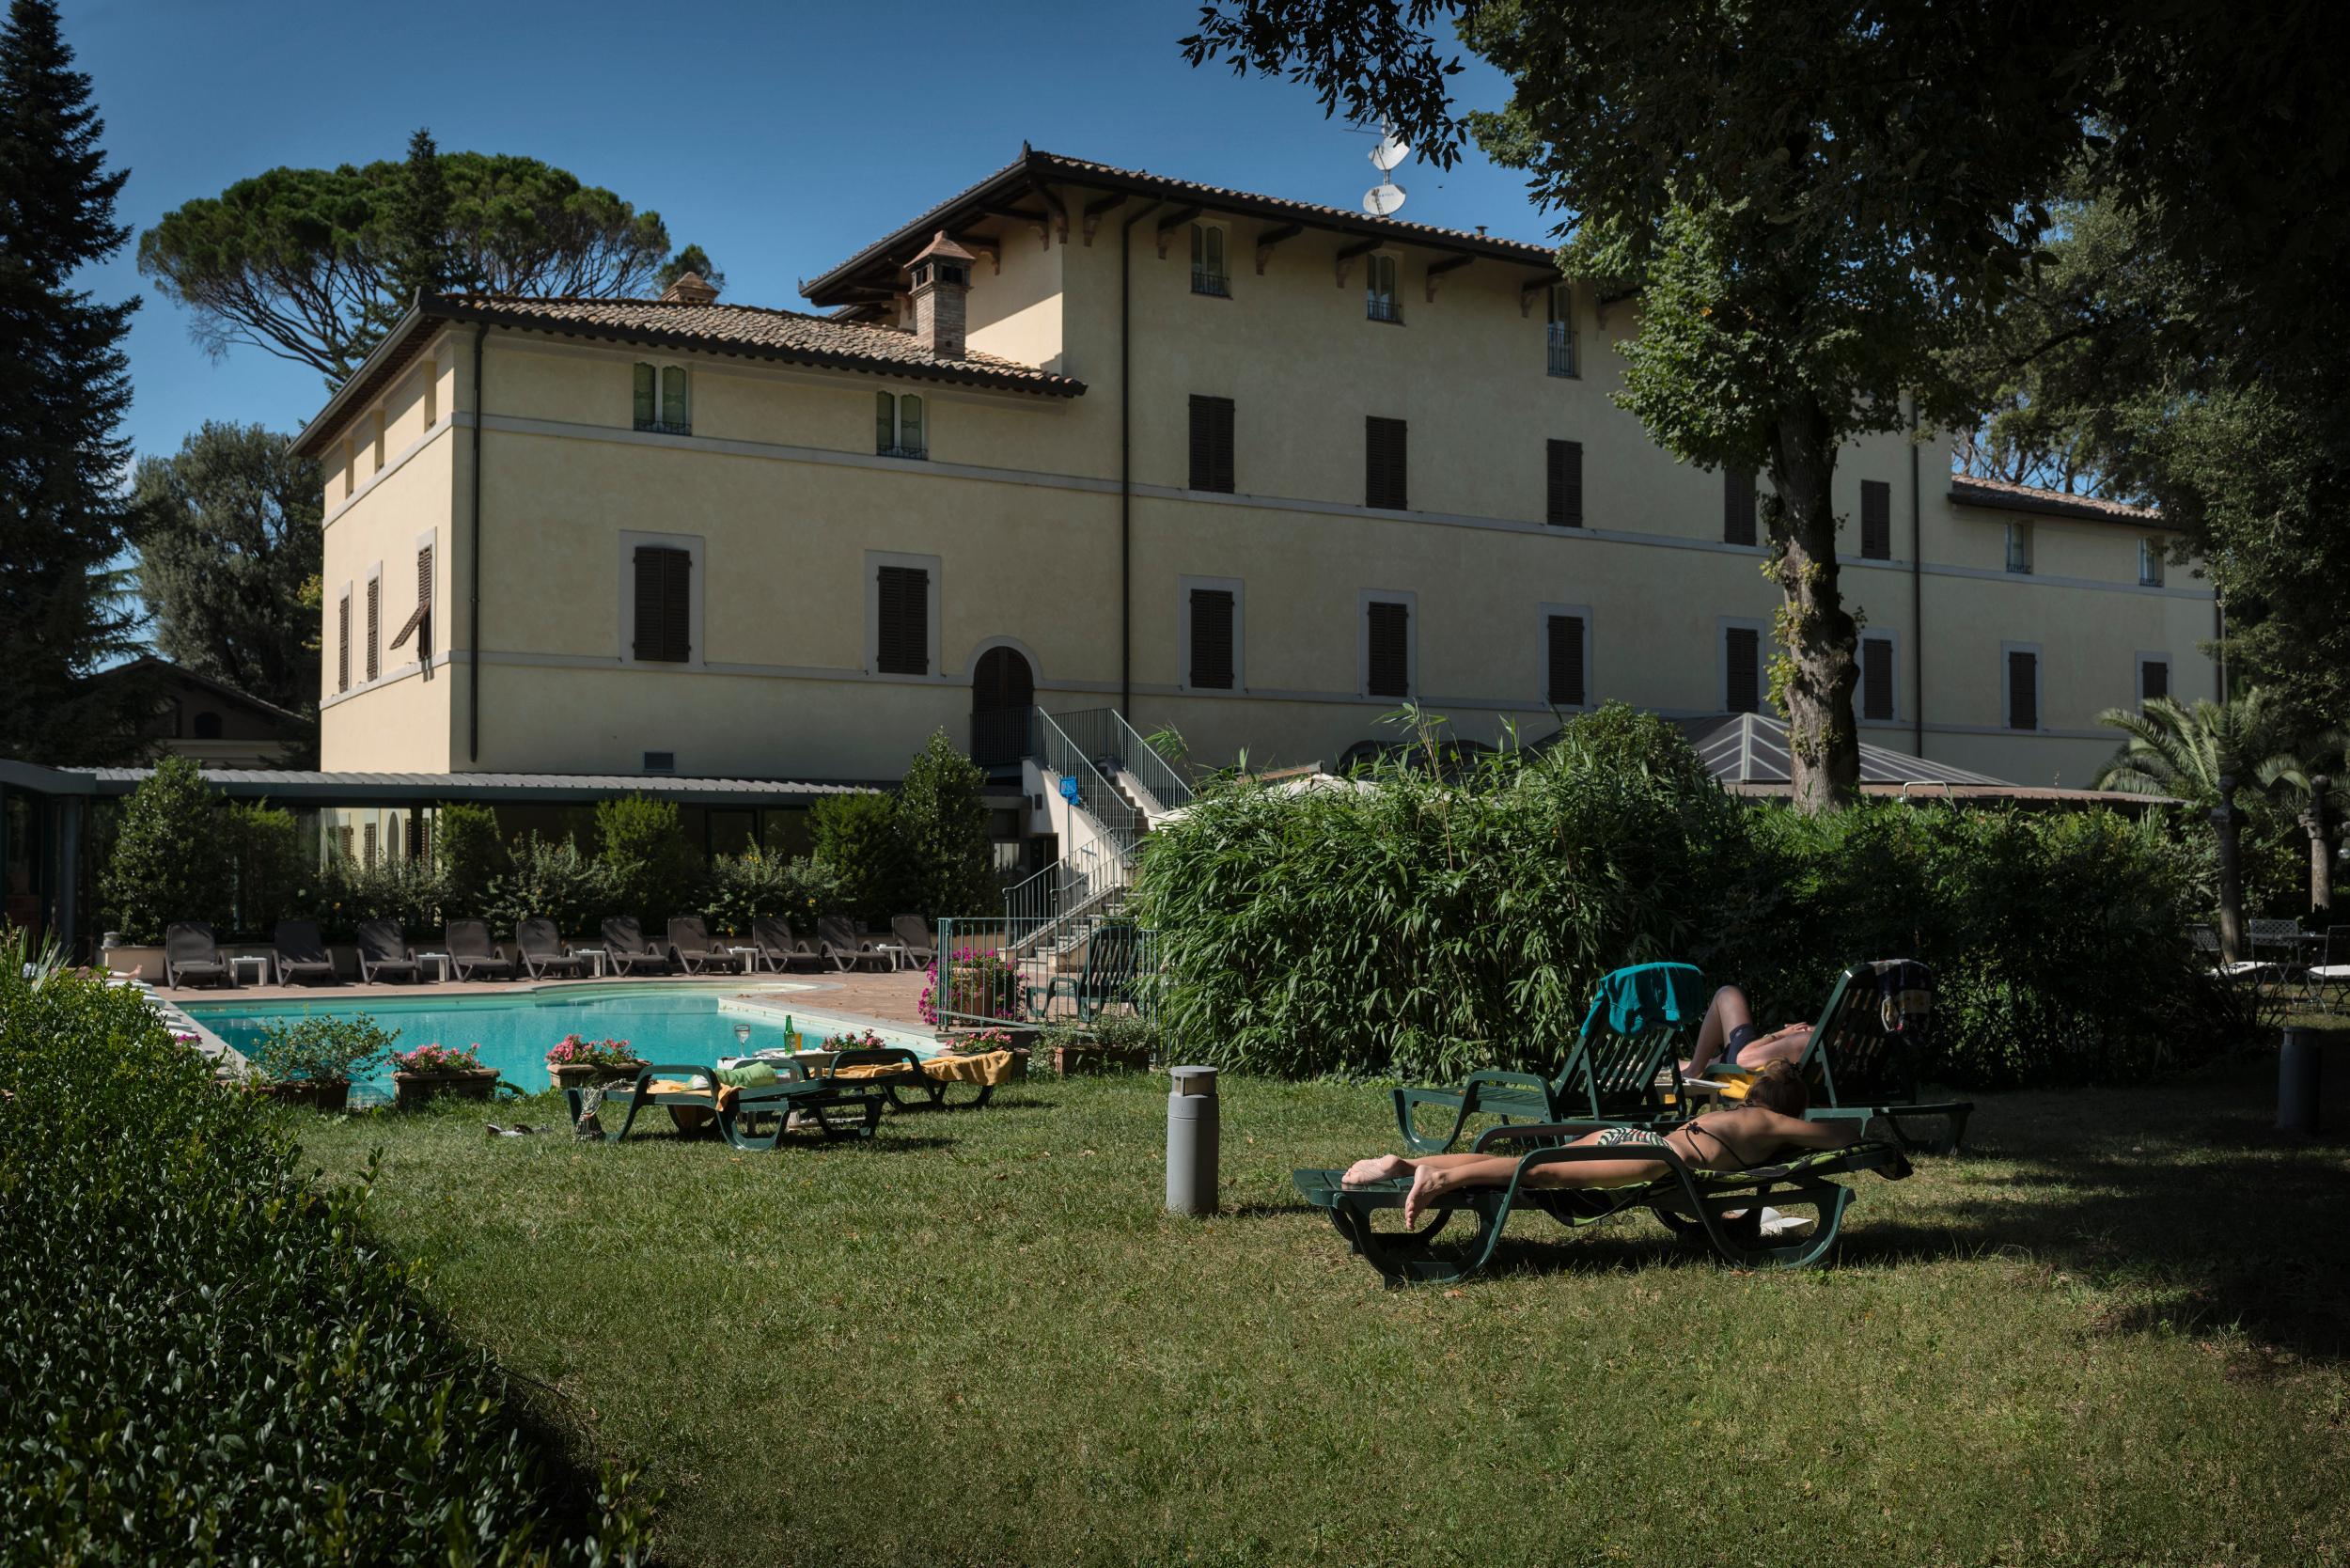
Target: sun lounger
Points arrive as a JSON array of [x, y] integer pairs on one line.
[[843, 948], [297, 955], [1866, 1055], [191, 957], [838, 1110], [1638, 1030], [542, 950], [383, 950], [1112, 962], [1722, 1208], [689, 943], [913, 934], [894, 1070], [471, 952], [778, 949], [624, 940]]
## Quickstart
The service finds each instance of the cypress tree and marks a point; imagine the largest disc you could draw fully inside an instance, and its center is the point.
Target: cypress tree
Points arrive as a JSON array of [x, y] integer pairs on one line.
[[64, 516]]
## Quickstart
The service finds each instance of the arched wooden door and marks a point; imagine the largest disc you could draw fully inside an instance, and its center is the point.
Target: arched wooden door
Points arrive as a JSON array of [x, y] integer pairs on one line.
[[1003, 689]]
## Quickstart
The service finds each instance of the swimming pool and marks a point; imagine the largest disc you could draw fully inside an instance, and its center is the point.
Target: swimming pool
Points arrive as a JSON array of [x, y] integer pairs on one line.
[[665, 1023]]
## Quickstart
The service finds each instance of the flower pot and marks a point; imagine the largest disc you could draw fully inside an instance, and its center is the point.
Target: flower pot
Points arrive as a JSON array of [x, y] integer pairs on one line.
[[288, 1092], [333, 1095], [414, 1088], [579, 1075]]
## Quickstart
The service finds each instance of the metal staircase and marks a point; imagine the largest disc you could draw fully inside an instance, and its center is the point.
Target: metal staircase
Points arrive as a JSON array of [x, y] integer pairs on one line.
[[1116, 786]]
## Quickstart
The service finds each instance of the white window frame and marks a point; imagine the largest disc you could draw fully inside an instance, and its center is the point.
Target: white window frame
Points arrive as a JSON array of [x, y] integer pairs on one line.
[[1765, 650], [2039, 688], [1200, 227], [2017, 531], [1237, 588], [2150, 561], [898, 448], [2138, 678], [1860, 692], [1363, 602], [659, 427], [874, 561], [697, 652], [1373, 264], [1550, 336], [1542, 652]]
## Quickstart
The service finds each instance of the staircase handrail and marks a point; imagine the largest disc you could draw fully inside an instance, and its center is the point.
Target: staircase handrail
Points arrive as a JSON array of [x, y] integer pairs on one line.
[[1155, 773]]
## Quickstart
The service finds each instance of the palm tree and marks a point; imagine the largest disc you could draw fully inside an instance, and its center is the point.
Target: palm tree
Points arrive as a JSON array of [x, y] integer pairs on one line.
[[2213, 755]]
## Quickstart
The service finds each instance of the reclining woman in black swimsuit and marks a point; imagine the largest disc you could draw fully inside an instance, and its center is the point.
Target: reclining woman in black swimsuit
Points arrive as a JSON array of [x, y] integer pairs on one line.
[[1729, 1035], [1767, 1124]]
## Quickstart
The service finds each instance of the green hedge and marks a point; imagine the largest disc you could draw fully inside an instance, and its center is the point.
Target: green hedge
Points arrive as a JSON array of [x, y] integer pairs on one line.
[[204, 1358], [1422, 925]]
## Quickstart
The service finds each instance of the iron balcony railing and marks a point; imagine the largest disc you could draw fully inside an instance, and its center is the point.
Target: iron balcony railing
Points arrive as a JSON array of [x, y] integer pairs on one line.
[[998, 971], [1381, 308], [1562, 349], [1209, 280]]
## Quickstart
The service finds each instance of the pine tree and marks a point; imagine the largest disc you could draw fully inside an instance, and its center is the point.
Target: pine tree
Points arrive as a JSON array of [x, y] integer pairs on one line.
[[422, 261], [64, 516]]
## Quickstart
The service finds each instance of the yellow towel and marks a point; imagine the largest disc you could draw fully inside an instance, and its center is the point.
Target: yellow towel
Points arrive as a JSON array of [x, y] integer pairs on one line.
[[992, 1067]]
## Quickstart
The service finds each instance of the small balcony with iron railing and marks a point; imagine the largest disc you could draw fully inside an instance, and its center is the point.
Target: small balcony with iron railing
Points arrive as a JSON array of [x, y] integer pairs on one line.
[[1562, 349], [1210, 281]]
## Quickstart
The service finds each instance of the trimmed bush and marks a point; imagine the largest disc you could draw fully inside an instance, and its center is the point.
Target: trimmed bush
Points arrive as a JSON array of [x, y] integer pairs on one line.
[[744, 886], [207, 1359], [651, 872], [858, 840], [167, 863], [267, 870], [469, 855], [941, 829], [550, 877]]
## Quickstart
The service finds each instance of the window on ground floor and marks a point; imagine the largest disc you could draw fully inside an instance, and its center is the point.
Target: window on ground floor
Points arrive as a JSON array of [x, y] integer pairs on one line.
[[1566, 655], [1388, 656], [1877, 678], [2020, 699]]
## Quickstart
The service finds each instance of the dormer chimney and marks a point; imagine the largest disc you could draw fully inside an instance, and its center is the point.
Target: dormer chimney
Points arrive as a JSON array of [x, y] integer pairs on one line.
[[689, 289], [938, 279]]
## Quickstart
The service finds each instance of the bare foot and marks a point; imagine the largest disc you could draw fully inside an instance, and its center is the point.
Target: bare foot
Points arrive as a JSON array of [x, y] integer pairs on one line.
[[1425, 1183], [1376, 1168]]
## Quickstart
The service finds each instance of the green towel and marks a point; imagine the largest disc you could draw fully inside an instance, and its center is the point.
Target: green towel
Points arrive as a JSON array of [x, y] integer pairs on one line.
[[751, 1074]]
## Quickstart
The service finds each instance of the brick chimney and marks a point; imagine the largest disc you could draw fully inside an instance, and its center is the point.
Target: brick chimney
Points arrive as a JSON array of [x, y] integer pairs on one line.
[[938, 279], [689, 289]]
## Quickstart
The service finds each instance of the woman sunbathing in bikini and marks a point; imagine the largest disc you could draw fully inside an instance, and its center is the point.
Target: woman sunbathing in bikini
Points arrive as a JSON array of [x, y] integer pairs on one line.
[[1729, 1035], [1768, 1124]]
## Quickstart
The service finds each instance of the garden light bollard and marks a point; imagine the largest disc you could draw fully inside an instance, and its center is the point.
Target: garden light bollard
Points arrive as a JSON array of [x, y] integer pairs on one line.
[[1191, 1141], [2297, 1083]]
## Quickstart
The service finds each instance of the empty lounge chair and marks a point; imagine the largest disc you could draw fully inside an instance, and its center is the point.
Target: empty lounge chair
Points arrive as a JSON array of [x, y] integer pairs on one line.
[[689, 943], [778, 949], [624, 939], [542, 950], [914, 933], [191, 957], [472, 952], [384, 951], [297, 955], [844, 949]]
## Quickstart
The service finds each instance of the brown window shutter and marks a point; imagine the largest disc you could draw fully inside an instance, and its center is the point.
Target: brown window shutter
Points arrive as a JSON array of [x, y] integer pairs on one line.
[[1743, 661], [1384, 485], [903, 641], [1211, 444], [1566, 661], [664, 605], [2023, 691], [375, 627], [1876, 678], [1738, 505], [424, 603], [1876, 521], [342, 645], [1566, 484], [2154, 680], [1212, 639], [1390, 661]]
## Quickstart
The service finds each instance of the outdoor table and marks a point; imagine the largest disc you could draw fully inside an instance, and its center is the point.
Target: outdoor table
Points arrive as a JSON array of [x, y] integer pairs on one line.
[[897, 954], [440, 964], [595, 957], [749, 957], [261, 969]]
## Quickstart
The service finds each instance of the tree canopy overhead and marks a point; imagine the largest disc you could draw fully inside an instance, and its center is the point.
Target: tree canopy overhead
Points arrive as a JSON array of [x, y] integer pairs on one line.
[[313, 265]]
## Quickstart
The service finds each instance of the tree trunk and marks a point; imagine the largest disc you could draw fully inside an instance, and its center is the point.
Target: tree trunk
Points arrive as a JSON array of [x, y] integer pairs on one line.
[[2224, 827], [2321, 861], [1821, 651]]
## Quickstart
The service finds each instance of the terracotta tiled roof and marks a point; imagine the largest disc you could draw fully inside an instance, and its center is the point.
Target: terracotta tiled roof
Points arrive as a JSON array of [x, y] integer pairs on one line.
[[2009, 496], [1033, 167]]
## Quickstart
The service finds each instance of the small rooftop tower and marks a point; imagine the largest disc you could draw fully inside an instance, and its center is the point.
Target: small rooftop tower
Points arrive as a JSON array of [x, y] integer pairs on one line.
[[689, 289], [937, 279]]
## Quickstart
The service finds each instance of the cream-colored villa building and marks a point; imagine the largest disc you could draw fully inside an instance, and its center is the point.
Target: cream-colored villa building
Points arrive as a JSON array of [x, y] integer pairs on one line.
[[1247, 468]]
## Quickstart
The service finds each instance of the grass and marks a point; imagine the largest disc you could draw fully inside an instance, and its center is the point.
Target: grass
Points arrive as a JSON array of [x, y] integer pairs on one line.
[[2112, 1332]]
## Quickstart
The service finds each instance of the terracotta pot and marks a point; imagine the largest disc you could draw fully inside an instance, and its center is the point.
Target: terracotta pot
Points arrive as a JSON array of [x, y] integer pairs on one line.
[[579, 1075], [414, 1088], [333, 1095]]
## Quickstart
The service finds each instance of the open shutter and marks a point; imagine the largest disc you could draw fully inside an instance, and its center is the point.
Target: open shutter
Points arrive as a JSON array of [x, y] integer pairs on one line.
[[414, 626], [342, 644], [375, 626], [1738, 505], [1876, 678], [904, 612], [647, 409], [1566, 484], [1212, 639], [2023, 691], [1390, 657], [664, 605], [1566, 661], [1876, 521], [1742, 661]]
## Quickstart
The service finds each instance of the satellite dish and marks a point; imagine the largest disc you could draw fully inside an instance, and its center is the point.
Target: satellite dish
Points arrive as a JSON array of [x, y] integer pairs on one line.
[[1382, 201], [1390, 151]]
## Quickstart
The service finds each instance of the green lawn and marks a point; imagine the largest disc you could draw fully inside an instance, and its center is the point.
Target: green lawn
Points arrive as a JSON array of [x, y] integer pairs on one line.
[[2112, 1332]]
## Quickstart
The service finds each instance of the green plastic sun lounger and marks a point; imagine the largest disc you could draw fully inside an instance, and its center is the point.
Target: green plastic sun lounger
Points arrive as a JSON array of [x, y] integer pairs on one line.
[[838, 1110], [1867, 1053], [1640, 1028], [891, 1071], [1722, 1208]]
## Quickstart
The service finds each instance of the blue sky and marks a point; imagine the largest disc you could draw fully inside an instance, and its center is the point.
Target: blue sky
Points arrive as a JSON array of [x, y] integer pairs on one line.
[[780, 137]]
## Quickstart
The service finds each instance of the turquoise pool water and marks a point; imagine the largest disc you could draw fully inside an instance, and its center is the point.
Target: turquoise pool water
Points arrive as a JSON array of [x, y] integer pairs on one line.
[[664, 1023]]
